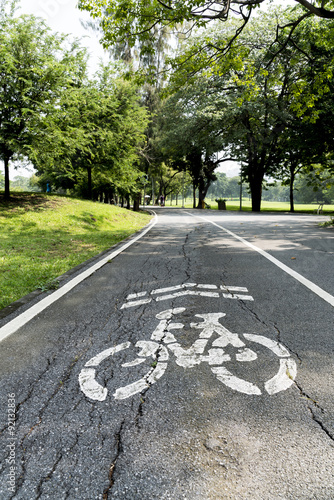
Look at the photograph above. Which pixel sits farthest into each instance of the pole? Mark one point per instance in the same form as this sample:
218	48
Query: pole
183	189
240	190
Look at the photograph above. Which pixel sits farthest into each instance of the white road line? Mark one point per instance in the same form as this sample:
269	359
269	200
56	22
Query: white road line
232	289
230	293
238	296
309	284
210	287
172	288
136	295
29	314
135	303
187	292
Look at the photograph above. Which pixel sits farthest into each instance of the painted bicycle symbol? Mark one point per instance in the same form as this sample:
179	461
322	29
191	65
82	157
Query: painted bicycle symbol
163	342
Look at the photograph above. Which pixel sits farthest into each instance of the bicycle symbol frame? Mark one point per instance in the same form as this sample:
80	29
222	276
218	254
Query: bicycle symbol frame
163	341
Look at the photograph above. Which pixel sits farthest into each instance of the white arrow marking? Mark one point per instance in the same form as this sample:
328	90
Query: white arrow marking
238	296
135	303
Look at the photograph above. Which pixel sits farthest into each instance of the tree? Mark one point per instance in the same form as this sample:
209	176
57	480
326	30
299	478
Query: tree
98	128
219	187
188	137
233	187
308	136
252	97
36	66
315	186
141	20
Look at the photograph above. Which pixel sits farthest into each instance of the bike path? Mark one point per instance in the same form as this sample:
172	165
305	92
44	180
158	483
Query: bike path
188	434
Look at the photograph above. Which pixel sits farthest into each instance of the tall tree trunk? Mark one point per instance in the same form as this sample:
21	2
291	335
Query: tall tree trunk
256	191
89	182
136	202
7	191
202	191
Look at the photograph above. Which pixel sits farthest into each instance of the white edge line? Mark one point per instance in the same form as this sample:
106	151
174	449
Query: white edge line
309	284
23	318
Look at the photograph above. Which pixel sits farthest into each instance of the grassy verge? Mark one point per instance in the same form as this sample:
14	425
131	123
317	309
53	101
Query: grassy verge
43	236
266	206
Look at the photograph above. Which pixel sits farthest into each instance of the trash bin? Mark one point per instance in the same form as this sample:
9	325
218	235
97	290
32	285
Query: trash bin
221	205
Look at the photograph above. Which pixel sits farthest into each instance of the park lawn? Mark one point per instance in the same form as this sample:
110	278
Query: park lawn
43	236
266	206
276	206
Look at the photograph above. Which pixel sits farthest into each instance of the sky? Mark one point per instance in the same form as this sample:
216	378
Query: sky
63	16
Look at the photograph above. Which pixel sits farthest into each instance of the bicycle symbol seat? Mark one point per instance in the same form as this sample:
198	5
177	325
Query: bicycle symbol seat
163	342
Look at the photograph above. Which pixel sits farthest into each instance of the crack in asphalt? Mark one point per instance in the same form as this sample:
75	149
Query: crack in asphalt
313	404
321	424
295	353
21	478
187	258
149	384
47	476
118	437
255	315
309	398
315	418
246	308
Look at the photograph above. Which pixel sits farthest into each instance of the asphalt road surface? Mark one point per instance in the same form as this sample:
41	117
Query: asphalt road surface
195	364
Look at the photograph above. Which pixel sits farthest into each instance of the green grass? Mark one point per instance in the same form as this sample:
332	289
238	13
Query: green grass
276	206
43	236
266	206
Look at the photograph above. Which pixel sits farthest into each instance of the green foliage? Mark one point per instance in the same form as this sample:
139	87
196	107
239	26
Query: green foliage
139	21
317	185
136	19
35	68
253	98
23	184
97	131
224	187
